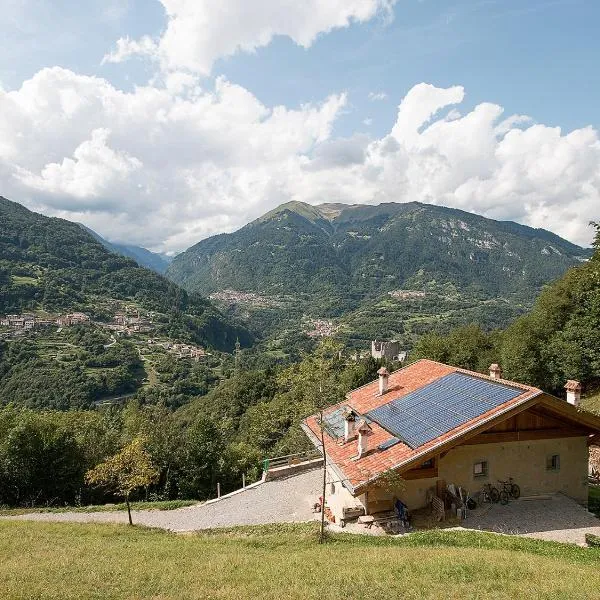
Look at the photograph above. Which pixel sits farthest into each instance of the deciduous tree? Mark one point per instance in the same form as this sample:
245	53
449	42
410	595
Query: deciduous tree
125	472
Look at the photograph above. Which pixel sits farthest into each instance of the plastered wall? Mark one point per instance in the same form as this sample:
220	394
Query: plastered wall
525	462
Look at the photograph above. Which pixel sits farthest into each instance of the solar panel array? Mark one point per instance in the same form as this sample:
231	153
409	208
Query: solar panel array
439	407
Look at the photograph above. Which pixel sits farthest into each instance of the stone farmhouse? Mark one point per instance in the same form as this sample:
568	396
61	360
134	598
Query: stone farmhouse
387	351
410	434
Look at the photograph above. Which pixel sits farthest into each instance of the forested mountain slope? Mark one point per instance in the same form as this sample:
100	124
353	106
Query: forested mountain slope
367	250
142	256
559	339
53	265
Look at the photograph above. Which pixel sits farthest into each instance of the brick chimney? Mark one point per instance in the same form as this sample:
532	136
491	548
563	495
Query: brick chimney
349	425
383	380
495	371
364	431
573	392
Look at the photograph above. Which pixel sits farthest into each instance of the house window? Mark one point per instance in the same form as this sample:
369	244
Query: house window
553	463
480	468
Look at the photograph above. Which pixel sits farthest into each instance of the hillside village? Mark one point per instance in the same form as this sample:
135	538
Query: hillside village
122	324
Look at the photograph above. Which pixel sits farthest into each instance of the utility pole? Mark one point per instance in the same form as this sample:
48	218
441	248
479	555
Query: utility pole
322	532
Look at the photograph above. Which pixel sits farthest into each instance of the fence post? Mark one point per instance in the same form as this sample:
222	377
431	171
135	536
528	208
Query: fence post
218	490
243	480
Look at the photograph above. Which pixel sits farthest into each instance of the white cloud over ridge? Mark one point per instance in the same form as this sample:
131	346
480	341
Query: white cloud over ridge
167	166
198	32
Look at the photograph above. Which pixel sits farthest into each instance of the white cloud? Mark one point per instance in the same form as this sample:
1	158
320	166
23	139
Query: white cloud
166	165
126	48
95	171
159	165
376	96
198	32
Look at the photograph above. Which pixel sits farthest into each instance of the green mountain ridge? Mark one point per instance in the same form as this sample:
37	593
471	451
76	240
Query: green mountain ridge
370	250
342	262
53	265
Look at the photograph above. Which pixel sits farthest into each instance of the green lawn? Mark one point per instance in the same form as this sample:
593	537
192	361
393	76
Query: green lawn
64	561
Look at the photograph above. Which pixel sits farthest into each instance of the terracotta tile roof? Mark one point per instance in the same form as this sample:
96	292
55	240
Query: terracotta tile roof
357	473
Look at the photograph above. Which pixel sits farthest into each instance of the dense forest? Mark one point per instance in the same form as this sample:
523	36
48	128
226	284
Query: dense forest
558	339
53	265
216	437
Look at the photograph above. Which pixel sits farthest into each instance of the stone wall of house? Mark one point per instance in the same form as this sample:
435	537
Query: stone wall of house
338	497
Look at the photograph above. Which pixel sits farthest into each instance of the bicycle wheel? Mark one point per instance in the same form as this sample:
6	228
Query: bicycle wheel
503	497
515	491
494	494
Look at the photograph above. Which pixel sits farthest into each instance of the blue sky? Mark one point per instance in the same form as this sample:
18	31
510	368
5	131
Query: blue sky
541	59
536	58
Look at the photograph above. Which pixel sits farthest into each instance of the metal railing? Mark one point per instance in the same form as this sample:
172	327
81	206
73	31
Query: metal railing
290	459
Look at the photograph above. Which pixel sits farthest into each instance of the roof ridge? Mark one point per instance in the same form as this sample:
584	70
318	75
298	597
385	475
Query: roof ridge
393	373
509	382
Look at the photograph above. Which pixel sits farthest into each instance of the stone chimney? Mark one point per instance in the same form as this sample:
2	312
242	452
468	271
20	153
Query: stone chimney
495	371
383	380
364	431
349	425
573	392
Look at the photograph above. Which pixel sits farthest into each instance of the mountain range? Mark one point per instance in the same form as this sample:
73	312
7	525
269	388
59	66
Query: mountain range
51	265
143	257
361	249
392	270
356	263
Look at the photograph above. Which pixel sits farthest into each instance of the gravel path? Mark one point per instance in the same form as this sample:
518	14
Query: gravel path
556	518
280	501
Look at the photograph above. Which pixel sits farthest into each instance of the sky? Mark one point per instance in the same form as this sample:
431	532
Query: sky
162	122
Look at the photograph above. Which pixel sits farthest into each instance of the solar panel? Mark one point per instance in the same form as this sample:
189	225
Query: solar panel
333	422
389	443
439	407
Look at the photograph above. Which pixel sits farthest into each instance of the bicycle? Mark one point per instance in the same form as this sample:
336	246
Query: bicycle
490	494
509	490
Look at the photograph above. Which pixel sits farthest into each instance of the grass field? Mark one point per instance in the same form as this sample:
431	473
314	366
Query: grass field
67	561
162	505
